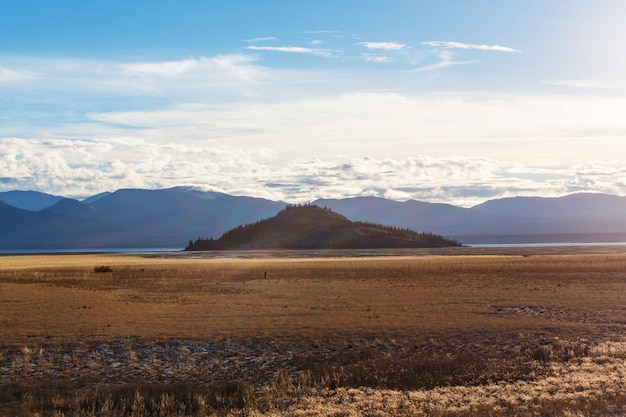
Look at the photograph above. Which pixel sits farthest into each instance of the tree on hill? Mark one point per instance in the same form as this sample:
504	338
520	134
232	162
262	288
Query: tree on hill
312	227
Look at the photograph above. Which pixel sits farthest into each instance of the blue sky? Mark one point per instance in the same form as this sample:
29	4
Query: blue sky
453	101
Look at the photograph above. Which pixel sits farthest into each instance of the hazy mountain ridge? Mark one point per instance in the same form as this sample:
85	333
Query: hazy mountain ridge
134	218
581	213
572	205
29	200
73	208
171	217
21	228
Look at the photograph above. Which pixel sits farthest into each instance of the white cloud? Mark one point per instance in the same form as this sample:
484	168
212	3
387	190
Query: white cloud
379	59
178	68
529	128
446	59
8	75
81	168
243	127
262	39
387	46
580	84
58	79
84	167
161	69
459	45
293	49
322	31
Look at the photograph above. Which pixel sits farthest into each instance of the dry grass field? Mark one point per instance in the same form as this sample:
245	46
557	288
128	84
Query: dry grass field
470	334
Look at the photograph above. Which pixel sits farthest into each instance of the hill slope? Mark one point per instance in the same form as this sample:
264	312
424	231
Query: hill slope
443	219
29	200
582	217
573	206
24	229
313	227
168	217
72	207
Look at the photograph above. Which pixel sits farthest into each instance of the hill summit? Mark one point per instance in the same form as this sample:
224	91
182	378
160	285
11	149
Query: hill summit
313	227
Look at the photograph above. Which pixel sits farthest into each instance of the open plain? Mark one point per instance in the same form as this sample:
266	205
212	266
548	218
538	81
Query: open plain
471	332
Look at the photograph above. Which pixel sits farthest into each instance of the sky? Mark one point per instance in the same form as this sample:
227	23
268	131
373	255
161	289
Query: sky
455	101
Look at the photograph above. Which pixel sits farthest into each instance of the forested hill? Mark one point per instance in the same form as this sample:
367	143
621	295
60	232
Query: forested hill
313	227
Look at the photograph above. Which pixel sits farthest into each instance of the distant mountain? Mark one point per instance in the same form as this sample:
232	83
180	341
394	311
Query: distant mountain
29	200
313	227
575	213
575	217
168	218
413	214
444	219
183	207
72	207
96	197
24	229
580	205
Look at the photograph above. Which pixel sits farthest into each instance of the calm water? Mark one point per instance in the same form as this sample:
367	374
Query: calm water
88	250
544	245
483	248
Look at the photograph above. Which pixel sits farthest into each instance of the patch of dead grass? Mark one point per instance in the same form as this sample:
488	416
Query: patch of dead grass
62	298
517	320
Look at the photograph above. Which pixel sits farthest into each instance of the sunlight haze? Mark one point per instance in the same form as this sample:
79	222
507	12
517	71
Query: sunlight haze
452	101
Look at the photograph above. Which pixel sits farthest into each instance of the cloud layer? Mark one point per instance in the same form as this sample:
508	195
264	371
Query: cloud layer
415	127
387	46
293	49
79	168
532	128
460	45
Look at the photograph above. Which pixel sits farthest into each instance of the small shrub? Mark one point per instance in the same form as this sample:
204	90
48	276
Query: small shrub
414	371
543	353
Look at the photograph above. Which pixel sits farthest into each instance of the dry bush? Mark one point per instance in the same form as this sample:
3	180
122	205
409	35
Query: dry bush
591	385
137	400
412	370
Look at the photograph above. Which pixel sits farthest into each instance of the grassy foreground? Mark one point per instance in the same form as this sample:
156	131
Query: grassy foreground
111	335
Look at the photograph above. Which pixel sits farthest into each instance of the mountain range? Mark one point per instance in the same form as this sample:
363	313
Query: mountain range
170	218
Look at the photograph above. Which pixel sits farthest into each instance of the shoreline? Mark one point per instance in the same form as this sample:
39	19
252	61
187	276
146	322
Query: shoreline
468	250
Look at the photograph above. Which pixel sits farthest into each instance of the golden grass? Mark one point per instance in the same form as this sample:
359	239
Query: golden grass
575	389
61	298
530	310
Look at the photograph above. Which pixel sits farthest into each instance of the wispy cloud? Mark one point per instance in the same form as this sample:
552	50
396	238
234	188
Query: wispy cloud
175	68
387	46
229	112
459	45
530	127
379	59
172	68
293	49
321	31
578	84
8	75
446	59
262	39
83	77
